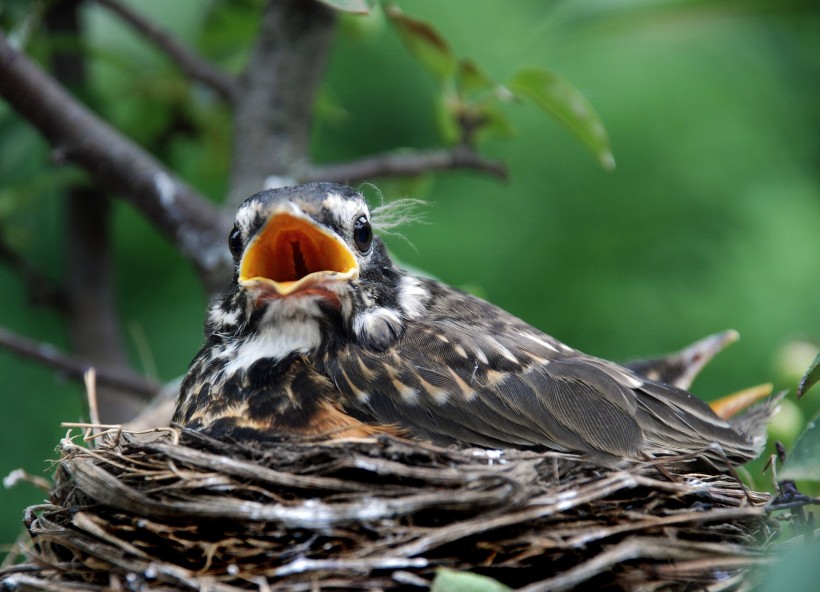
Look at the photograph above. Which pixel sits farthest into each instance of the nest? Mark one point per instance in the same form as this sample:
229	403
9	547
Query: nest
186	512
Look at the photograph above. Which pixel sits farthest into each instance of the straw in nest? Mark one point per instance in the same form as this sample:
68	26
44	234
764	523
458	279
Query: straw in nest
185	512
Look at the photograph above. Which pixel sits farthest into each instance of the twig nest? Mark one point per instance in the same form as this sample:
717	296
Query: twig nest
184	512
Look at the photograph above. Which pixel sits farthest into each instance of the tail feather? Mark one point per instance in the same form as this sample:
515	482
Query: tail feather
674	421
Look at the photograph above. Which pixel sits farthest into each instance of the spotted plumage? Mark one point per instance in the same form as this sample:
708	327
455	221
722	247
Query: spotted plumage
319	333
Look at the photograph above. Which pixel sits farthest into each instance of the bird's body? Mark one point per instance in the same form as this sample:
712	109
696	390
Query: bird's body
320	333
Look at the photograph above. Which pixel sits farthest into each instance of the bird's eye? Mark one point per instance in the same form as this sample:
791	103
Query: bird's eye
235	242
362	234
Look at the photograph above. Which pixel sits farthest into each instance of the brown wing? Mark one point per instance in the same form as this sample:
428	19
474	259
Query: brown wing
486	378
469	372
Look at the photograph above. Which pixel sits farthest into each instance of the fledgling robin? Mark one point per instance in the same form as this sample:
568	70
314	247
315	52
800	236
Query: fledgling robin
320	333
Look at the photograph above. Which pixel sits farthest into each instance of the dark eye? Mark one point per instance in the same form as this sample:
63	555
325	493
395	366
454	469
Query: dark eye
362	234
235	242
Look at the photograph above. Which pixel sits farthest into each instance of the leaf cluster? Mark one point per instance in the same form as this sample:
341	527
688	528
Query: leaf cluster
471	102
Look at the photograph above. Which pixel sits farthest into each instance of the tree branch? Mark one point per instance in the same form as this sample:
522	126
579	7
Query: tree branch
194	225
191	64
75	368
277	89
404	163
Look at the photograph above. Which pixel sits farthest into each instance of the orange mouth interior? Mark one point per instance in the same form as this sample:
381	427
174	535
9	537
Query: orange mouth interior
292	253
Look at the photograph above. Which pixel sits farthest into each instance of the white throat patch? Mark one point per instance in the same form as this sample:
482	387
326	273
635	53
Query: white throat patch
276	342
288	325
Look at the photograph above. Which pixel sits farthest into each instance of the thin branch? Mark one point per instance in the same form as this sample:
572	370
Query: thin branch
405	163
194	225
192	65
40	290
75	368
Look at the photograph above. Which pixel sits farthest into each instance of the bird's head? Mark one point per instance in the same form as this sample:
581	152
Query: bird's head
299	241
300	251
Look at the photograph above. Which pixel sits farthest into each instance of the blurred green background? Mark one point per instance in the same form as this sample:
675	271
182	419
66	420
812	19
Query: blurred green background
710	221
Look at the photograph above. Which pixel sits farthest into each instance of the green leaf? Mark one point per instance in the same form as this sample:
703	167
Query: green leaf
448	580
425	43
804	461
811	377
794	567
562	100
472	78
357	6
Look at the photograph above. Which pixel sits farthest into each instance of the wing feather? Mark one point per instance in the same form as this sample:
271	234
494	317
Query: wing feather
471	373
674	419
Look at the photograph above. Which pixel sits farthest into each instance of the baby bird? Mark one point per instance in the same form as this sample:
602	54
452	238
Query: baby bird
319	333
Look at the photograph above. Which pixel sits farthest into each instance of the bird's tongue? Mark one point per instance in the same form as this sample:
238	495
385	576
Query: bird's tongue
292	253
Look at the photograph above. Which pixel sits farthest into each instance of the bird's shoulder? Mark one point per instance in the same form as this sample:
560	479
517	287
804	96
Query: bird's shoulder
463	331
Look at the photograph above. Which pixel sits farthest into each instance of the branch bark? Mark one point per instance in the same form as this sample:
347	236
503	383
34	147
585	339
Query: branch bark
192	65
404	163
277	90
194	225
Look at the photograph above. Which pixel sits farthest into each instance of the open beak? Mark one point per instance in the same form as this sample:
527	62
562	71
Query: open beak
292	253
